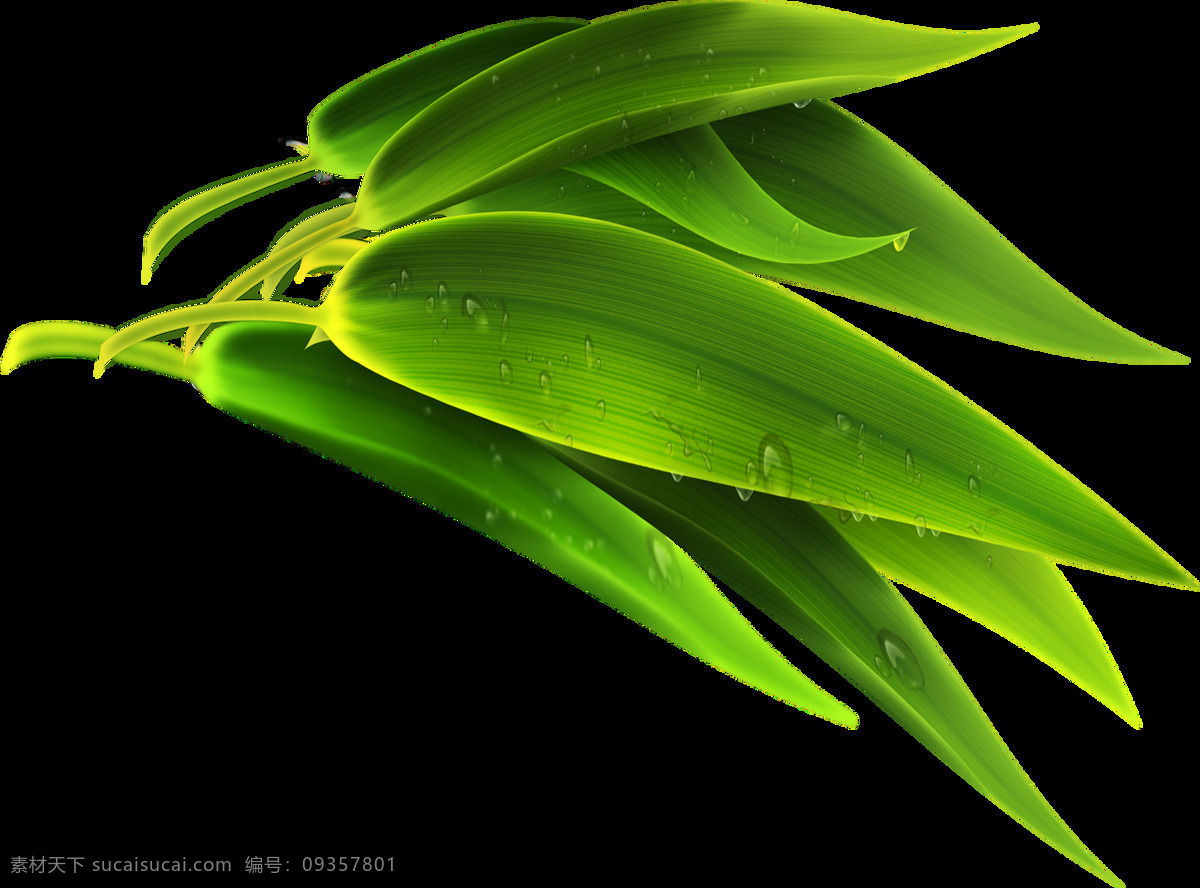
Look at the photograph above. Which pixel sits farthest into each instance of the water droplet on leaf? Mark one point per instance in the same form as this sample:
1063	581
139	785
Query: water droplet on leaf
900	658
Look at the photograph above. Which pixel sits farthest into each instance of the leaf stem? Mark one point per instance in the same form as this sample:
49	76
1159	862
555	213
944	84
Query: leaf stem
174	317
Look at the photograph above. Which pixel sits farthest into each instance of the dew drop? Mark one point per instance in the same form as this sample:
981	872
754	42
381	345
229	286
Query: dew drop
802	103
443	292
646	61
909	466
861	457
492	517
744	493
936	533
503	322
870	505
699	381
444	323
429	304
601	408
497	461
794	235
495	80
738	217
562	191
566	360
435	342
722	114
862	435
919	523
843	422
775	465
405	279
973	485
664	570
882	667
569	441
676	476
899	242
901	659
475	310
708	56
544	382
596	72
589	356
505	372
989	562
528	356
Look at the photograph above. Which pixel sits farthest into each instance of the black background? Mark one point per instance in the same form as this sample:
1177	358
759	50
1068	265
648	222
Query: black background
221	645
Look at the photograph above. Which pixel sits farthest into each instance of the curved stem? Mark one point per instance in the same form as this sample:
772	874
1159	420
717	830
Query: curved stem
173	318
196	208
39	340
255	272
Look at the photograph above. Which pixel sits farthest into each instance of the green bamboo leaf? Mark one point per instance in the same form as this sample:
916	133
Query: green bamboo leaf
790	563
637	75
1023	598
1020	596
828	166
348	127
693	179
549	105
823	163
491	478
783	391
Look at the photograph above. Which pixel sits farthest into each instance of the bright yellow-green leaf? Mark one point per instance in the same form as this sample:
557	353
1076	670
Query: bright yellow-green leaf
1018	595
787	561
491	478
639	349
833	170
693	179
637	75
